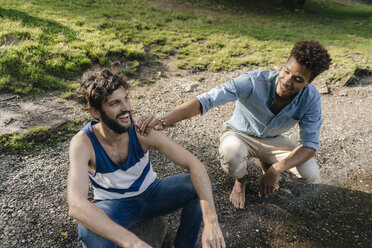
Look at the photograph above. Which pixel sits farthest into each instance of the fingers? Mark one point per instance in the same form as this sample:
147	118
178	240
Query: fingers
156	124
213	238
220	243
261	191
144	124
266	190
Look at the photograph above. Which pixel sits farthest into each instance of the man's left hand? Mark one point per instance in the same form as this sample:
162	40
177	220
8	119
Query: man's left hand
144	124
212	236
269	182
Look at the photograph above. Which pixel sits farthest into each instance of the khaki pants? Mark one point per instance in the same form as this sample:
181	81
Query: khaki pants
236	148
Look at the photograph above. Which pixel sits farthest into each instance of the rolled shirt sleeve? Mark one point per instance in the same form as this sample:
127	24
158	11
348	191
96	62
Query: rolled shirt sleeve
227	92
310	125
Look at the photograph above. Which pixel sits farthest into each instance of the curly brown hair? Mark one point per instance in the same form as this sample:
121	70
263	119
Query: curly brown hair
96	86
312	55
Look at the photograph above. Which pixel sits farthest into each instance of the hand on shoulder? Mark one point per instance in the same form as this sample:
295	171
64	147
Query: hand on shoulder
145	124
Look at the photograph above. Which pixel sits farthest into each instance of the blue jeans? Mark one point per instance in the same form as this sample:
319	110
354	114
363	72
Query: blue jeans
161	198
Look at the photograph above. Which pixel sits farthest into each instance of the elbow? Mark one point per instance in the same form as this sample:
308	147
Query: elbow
72	210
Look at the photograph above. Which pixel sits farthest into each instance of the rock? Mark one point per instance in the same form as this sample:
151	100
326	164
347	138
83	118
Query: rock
191	87
324	90
361	76
115	64
151	231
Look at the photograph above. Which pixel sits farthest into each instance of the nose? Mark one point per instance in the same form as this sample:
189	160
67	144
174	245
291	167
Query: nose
125	106
287	81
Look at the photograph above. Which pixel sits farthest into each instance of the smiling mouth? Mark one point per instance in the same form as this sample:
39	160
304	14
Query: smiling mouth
284	88
124	116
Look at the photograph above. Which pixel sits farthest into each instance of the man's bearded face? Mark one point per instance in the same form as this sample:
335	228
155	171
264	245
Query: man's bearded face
114	124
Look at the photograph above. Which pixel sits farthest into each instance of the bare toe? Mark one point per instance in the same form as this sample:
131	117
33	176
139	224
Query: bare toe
237	196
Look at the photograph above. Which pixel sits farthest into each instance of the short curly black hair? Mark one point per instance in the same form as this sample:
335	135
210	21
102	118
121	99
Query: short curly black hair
312	55
96	86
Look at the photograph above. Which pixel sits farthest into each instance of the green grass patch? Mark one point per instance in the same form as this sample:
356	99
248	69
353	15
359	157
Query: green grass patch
37	138
46	44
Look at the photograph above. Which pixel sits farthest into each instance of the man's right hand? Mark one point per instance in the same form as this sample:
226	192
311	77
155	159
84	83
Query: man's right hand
144	124
212	236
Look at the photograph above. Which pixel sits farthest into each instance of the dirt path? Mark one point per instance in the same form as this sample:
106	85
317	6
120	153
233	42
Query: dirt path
334	212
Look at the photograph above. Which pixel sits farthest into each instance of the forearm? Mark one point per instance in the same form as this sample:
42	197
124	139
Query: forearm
200	180
94	219
183	111
298	156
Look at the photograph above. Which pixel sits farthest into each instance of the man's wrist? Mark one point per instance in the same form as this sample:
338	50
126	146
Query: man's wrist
163	123
276	167
210	220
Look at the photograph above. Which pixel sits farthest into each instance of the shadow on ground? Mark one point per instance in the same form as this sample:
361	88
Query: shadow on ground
297	215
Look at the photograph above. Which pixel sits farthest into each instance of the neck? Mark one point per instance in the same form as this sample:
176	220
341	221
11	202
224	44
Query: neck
107	134
285	99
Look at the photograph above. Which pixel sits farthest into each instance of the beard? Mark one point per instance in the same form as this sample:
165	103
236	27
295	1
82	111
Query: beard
114	125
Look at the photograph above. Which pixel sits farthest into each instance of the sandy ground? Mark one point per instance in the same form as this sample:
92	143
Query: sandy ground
334	212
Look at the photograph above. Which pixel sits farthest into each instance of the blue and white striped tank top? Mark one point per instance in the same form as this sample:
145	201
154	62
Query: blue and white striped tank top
116	181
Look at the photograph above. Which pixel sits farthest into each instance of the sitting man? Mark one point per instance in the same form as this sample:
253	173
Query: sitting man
267	104
117	163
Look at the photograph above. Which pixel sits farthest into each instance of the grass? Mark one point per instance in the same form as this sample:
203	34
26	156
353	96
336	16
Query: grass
37	138
46	44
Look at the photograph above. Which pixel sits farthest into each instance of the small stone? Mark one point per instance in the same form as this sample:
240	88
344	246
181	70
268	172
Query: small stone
191	87
324	90
343	93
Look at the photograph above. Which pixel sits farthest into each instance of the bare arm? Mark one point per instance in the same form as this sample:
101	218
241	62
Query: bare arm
184	111
85	212
269	181
212	234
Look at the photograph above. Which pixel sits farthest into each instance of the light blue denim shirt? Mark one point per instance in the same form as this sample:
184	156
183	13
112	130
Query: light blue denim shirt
253	93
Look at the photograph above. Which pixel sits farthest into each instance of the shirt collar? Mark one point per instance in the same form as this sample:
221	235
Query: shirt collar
271	99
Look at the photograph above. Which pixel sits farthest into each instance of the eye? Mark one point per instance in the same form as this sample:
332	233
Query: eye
114	103
299	80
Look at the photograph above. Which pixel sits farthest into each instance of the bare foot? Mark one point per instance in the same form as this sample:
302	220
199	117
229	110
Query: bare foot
237	196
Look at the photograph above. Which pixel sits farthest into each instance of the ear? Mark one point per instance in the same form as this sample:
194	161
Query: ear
95	113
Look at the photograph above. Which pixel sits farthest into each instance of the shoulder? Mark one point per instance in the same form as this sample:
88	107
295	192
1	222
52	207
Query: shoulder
153	139
311	93
80	143
260	74
255	77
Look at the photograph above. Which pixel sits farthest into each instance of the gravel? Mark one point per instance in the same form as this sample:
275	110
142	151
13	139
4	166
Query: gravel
334	212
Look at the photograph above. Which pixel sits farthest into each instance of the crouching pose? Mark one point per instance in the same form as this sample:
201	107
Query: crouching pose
108	153
267	104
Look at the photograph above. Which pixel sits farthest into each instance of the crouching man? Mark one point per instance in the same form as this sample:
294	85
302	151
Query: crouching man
108	153
267	104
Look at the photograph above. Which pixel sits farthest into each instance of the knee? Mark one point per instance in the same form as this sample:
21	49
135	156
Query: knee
313	177
309	171
84	233
233	157
90	239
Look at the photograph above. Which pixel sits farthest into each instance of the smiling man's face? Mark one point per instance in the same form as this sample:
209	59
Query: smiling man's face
116	112
292	78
